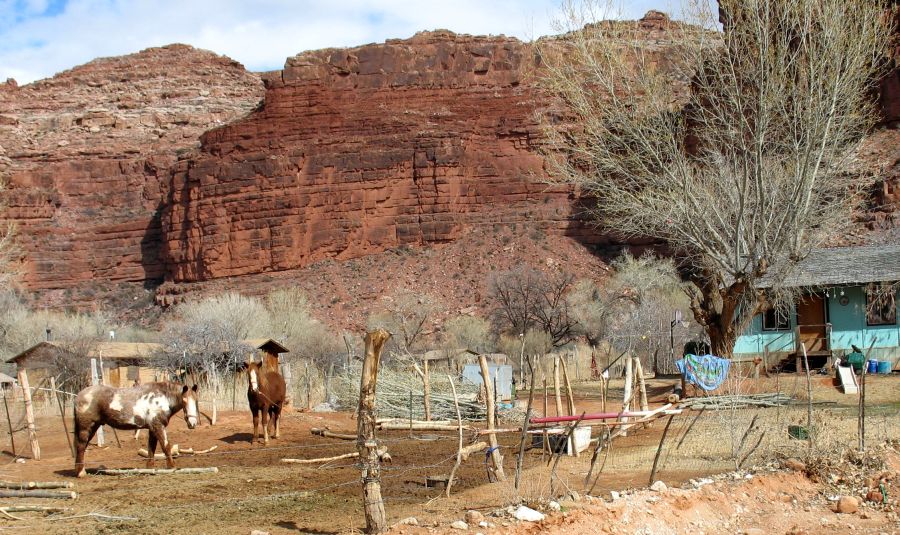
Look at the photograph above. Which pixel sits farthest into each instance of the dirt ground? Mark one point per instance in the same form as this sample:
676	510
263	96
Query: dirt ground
254	490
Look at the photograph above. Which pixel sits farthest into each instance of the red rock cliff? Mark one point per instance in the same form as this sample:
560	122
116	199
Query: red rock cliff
87	153
358	150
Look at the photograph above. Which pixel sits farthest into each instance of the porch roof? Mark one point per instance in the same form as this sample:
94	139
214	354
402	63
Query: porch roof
845	265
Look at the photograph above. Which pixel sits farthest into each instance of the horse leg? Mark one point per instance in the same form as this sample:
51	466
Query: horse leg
83	436
167	447
276	418
151	448
255	425
265	423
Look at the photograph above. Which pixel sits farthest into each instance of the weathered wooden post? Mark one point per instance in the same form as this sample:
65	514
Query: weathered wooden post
626	398
426	388
62	414
95	380
642	385
459	426
546	445
29	415
376	521
12	438
496	458
525	426
559	407
570	396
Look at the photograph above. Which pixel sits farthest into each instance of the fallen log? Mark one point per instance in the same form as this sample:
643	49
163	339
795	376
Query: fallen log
328	434
176	452
350	455
27	508
58	494
154	471
23	485
382	452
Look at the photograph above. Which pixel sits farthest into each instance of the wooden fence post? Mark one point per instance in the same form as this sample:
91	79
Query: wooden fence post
559	407
570	395
496	458
12	438
29	415
427	390
376	521
642	385
626	398
525	425
95	380
62	414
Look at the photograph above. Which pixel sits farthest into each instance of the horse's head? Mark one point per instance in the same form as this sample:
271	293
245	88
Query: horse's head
253	371
189	399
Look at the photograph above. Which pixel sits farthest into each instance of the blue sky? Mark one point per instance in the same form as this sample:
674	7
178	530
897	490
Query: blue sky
41	37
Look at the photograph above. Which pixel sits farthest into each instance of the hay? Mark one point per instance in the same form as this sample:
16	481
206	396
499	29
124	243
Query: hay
393	395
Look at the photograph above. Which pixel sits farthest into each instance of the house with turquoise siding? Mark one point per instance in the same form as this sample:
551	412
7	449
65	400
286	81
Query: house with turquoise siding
847	296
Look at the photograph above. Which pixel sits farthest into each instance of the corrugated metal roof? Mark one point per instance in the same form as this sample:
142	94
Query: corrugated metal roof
845	265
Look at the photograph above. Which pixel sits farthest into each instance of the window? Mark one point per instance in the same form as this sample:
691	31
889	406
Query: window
776	319
881	305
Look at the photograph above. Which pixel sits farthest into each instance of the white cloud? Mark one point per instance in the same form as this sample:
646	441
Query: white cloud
47	37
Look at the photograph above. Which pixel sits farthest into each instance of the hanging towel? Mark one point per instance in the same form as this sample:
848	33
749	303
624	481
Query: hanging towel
706	371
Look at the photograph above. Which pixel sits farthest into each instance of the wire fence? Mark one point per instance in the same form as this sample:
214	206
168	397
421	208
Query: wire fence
698	443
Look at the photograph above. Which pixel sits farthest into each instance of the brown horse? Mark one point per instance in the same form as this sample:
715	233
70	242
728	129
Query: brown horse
265	392
148	406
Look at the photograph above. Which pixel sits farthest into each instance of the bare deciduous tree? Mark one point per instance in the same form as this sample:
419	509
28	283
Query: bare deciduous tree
728	145
205	338
294	324
405	315
469	332
527	299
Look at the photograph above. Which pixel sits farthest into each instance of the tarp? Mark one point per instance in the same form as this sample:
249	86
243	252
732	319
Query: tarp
706	371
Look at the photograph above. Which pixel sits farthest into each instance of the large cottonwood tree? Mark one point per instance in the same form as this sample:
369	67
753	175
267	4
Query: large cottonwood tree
727	138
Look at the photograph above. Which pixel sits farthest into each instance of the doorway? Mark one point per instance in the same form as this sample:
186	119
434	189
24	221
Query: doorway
811	319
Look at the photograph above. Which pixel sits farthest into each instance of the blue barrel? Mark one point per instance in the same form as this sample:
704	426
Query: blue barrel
884	366
873	366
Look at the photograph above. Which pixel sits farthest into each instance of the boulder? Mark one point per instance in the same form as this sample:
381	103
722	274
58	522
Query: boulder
847	505
527	514
474	517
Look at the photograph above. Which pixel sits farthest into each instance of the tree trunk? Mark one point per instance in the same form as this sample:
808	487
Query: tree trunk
376	521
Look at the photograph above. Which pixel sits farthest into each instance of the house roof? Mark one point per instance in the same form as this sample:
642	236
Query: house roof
845	265
40	353
4	379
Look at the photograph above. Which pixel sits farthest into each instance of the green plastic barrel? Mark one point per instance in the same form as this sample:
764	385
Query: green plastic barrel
884	366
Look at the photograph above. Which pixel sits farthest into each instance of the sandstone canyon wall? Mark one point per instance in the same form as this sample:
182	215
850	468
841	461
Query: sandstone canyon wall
87	155
167	164
358	150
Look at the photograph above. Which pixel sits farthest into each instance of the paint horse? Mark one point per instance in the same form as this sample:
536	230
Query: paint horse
265	392
148	406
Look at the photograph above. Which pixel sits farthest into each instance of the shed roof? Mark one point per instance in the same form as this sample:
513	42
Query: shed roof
267	344
124	350
845	265
5	379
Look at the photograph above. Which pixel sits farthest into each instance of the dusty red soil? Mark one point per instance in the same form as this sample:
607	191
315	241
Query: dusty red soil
254	490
